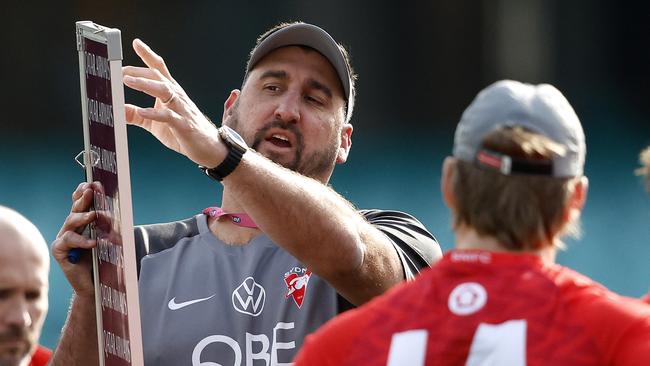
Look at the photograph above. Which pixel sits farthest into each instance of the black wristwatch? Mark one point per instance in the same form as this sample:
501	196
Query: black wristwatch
236	149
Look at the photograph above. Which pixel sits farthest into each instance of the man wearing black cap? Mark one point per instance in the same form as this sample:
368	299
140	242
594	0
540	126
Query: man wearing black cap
247	281
514	186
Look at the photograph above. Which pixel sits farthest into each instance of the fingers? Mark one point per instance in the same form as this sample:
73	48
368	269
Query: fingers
76	221
132	115
157	89
150	58
70	240
161	115
70	237
82	199
147	117
79	191
83	202
143	72
84	187
78	274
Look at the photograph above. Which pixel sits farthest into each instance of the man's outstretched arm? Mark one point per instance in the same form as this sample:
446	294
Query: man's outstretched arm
319	227
300	214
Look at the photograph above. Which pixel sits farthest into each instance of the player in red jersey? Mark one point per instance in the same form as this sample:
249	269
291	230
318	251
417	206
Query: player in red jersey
514	185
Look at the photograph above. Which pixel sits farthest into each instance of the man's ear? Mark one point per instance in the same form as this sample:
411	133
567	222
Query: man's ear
230	101
345	144
447	182
577	199
581	192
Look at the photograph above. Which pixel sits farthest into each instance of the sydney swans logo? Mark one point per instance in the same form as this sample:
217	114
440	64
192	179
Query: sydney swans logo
249	297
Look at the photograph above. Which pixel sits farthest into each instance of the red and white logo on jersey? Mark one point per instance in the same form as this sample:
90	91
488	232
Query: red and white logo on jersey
467	298
296	280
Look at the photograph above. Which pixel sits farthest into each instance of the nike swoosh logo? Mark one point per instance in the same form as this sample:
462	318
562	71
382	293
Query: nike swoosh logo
173	305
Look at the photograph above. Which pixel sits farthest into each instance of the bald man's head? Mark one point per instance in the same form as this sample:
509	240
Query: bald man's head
24	268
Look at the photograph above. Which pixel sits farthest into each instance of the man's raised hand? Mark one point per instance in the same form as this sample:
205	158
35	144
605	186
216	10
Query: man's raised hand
174	119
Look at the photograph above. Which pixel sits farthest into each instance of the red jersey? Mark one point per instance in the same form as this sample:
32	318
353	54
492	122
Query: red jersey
485	308
40	357
646	298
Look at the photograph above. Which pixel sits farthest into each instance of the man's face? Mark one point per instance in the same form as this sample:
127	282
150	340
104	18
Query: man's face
291	110
23	297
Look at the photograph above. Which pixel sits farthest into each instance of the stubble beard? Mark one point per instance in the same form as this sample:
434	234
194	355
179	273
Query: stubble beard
317	165
17	357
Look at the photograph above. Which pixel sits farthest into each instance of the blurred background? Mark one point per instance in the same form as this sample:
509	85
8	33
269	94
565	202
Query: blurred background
419	64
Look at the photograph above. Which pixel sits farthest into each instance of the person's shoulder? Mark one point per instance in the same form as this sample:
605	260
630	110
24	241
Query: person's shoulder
607	314
620	325
417	245
173	228
379	216
616	327
600	301
155	238
579	288
160	236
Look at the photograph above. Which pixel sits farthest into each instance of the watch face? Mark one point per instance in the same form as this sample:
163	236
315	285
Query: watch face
234	137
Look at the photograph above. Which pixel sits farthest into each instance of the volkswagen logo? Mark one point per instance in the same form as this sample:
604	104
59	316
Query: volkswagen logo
249	297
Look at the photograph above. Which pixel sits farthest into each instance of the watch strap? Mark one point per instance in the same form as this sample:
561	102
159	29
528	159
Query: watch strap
235	152
226	167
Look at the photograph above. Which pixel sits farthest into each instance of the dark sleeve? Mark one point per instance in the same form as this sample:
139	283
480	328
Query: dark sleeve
150	239
416	246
